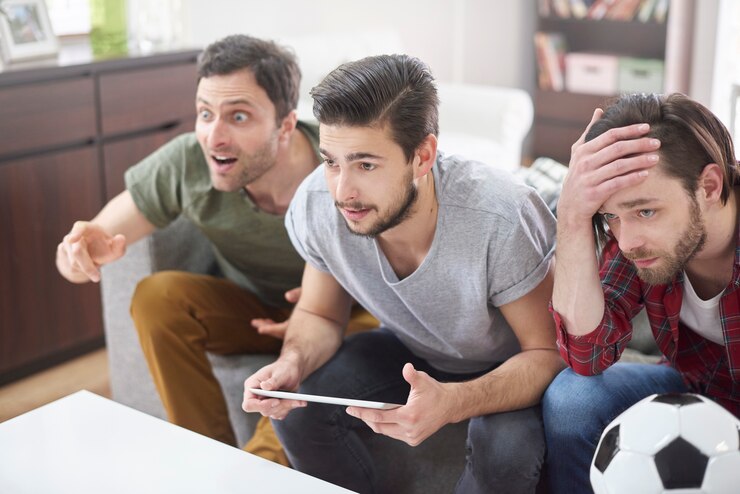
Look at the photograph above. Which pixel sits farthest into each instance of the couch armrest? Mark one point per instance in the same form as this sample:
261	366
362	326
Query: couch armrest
485	123
179	246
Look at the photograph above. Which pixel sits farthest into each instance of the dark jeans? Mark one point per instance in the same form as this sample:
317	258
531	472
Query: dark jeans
576	410
504	451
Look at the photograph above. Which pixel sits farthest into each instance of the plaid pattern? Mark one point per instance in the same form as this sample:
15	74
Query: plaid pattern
707	368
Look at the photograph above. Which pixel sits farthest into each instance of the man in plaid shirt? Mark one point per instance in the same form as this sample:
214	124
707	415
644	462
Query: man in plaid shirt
654	175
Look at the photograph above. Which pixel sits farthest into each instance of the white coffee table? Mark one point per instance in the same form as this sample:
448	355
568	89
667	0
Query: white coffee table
84	443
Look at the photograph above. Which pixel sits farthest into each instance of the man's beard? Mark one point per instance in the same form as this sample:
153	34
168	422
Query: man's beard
399	211
690	243
252	167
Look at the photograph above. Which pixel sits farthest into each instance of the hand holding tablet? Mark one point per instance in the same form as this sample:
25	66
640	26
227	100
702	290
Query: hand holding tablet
332	400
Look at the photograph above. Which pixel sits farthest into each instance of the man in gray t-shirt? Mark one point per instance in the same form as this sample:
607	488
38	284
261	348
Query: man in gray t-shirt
452	256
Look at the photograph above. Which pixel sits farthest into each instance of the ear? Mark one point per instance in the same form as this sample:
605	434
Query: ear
710	184
425	156
287	126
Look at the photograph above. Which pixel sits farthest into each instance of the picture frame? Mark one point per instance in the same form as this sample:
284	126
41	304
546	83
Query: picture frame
25	31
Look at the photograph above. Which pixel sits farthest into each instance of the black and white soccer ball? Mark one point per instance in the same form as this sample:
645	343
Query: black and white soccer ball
669	443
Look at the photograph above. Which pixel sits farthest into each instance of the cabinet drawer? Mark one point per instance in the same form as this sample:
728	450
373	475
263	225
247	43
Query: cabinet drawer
121	154
143	99
46	115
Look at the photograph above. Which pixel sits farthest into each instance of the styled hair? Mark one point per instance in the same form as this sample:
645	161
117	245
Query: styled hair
275	67
691	137
397	90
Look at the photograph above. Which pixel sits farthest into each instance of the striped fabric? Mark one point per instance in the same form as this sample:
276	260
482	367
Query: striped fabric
707	368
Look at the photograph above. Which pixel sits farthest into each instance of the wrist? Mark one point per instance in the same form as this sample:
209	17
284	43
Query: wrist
456	403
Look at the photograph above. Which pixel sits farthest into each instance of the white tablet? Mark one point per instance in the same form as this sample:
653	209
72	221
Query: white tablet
332	400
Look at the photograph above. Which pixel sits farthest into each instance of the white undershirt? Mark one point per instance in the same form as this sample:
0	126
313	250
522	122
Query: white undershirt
702	316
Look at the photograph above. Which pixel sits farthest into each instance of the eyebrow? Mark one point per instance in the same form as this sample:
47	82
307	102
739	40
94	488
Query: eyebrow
636	202
351	156
231	102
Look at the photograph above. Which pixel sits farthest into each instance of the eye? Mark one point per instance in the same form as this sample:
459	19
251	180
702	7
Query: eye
240	117
329	163
368	167
609	216
205	115
646	213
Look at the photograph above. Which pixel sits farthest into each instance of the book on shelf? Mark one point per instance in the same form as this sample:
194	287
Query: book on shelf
615	10
661	11
623	10
550	54
646	10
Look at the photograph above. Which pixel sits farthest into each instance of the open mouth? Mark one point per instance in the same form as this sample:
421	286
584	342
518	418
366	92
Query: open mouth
223	160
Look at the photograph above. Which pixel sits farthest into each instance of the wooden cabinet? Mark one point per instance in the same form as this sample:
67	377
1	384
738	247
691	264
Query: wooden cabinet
67	134
561	116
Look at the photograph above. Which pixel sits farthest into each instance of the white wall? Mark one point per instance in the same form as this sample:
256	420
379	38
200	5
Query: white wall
482	41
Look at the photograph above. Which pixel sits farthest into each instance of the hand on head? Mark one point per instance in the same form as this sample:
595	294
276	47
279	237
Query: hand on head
617	159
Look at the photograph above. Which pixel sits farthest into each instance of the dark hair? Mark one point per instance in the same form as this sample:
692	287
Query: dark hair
274	67
387	89
691	137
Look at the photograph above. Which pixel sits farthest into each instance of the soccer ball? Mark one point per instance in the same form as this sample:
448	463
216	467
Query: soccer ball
668	442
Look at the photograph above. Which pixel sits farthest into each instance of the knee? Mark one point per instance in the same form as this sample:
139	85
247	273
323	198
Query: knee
154	297
508	443
568	397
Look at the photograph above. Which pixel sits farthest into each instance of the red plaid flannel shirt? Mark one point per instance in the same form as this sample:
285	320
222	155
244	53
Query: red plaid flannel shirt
707	368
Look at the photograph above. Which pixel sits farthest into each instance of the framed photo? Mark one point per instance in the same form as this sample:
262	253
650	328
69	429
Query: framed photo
25	30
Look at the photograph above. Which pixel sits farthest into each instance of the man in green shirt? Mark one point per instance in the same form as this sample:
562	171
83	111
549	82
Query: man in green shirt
233	178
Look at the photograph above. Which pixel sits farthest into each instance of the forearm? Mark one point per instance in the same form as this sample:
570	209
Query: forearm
310	341
517	383
122	216
577	293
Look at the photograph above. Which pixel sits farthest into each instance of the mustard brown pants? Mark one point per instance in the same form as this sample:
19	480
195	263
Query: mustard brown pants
180	317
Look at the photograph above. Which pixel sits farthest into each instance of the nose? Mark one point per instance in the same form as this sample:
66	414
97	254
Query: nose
628	236
345	190
218	135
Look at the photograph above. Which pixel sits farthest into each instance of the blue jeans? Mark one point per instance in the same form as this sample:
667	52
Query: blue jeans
504	451
576	410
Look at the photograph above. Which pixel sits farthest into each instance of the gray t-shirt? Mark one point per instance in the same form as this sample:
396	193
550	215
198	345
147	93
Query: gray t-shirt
493	243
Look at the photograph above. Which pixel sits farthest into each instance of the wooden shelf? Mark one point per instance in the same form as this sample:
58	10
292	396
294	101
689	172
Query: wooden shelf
561	117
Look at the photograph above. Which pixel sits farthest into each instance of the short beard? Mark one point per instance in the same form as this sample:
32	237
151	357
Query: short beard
691	242
394	219
255	166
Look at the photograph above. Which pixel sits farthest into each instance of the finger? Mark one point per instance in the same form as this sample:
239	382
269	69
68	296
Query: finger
615	135
621	150
625	166
598	112
616	184
395	431
369	415
117	247
293	295
83	262
277	330
258	322
410	374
